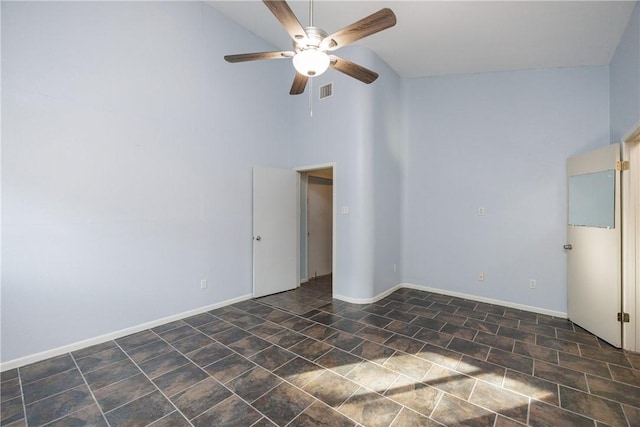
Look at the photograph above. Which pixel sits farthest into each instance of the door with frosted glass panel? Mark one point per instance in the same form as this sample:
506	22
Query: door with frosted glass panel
593	246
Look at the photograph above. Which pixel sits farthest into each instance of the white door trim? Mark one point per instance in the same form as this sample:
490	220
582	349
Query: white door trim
631	240
334	168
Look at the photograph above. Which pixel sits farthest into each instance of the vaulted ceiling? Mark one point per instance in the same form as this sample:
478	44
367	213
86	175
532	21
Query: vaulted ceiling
458	37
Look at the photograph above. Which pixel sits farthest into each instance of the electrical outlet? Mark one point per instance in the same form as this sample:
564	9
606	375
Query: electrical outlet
480	211
532	283
481	276
203	284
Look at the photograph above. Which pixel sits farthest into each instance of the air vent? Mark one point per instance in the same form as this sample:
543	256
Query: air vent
326	90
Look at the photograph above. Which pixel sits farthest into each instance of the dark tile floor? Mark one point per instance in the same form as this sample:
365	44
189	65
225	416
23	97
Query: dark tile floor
301	359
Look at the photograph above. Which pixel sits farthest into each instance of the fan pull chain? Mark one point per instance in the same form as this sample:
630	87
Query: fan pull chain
311	97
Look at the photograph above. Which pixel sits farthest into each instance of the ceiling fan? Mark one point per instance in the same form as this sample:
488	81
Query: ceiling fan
311	45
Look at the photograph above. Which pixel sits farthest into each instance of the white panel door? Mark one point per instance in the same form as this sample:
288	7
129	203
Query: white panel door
275	230
593	250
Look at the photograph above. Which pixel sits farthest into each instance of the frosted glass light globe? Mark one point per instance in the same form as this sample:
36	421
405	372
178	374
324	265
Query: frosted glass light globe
311	62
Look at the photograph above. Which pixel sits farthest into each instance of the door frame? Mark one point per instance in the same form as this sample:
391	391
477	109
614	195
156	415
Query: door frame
334	201
631	239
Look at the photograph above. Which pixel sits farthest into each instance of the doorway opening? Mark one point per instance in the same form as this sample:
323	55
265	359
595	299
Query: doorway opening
317	192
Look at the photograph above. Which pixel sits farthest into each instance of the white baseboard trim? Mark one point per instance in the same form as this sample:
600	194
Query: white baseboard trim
487	300
452	294
368	300
26	360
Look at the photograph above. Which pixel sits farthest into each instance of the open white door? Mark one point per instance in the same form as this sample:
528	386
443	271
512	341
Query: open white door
593	247
275	230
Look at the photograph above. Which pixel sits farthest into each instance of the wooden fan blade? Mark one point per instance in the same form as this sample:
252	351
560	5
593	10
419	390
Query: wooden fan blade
243	57
299	83
381	20
287	18
352	69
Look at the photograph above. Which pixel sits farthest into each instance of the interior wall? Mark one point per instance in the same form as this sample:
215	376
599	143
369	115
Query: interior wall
359	128
128	146
497	141
624	80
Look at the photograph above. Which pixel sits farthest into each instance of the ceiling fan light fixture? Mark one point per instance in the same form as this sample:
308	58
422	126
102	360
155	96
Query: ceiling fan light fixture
311	62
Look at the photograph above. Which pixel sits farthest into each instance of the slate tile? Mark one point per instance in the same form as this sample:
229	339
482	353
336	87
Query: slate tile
310	348
614	390
230	412
59	405
592	406
450	381
11	411
283	403
136	340
373	352
370	409
452	411
140	412
163	364
344	341
497	399
536	352
318	415
192	343
174	419
544	415
481	370
560	375
299	371
511	360
196	400
51	385
372	376
101	359
88	416
149	351
408	418
179	379
439	355
339	361
253	384
39	370
209	354
533	387
587	365
229	367
111	374
405	344
374	334
470	348
127	390
414	394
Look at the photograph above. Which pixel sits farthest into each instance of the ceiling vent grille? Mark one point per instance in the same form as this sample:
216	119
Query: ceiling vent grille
326	90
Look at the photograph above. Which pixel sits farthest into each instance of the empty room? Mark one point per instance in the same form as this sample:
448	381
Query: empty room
320	213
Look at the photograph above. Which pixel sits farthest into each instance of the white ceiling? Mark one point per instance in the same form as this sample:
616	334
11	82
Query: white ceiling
457	37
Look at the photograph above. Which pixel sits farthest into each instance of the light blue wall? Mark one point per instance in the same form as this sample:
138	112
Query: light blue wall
498	141
128	146
625	80
359	129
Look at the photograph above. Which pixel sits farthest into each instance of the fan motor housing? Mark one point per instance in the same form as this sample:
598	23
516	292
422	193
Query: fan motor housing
315	36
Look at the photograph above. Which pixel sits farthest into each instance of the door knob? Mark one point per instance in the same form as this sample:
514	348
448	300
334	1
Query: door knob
568	247
258	238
